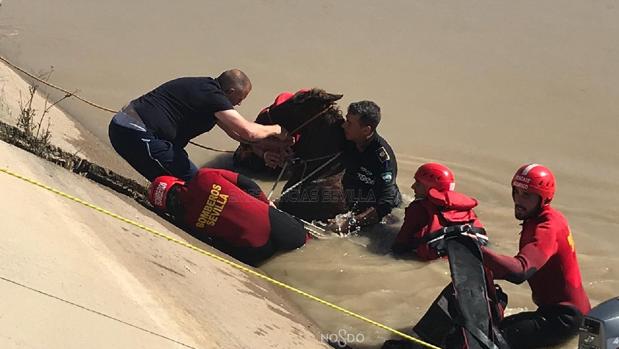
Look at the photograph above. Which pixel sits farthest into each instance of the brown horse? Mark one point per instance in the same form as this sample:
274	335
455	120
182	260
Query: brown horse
316	122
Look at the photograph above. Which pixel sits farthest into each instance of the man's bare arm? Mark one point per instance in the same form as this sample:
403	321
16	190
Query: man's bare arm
229	132
234	123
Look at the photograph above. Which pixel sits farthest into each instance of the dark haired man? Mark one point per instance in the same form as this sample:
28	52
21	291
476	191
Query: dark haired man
546	260
152	131
371	169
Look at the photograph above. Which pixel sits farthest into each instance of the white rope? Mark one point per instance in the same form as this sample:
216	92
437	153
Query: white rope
310	175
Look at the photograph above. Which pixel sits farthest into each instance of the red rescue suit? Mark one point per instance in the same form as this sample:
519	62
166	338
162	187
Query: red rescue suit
546	259
428	215
216	205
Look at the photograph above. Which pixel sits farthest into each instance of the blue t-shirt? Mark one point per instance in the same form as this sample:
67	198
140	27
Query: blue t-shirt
182	109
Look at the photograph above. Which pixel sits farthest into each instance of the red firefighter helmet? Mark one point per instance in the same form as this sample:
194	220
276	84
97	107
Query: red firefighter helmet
536	179
285	96
282	98
434	175
159	189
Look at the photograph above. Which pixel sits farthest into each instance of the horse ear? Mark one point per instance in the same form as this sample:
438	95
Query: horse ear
316	93
303	95
333	97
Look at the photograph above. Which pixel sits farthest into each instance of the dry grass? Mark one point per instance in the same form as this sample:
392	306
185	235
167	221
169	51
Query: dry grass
35	123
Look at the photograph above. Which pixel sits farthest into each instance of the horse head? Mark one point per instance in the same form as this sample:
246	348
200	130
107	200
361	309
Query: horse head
315	121
310	116
299	110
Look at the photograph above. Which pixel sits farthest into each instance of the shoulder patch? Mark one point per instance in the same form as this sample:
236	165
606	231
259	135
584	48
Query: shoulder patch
382	154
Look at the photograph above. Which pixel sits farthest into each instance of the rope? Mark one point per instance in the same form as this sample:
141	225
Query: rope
98	106
68	93
279	177
308	121
294	160
310	175
218	258
211	149
93	104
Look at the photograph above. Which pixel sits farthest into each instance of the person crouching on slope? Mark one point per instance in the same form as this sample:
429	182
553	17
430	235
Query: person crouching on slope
435	207
230	209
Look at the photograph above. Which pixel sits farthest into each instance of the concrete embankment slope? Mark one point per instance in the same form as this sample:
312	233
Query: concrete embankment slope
74	278
66	133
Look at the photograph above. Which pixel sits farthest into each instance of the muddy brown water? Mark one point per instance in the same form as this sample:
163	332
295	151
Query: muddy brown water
482	86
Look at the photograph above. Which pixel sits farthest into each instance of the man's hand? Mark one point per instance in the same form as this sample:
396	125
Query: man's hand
283	134
273	144
337	226
367	217
340	224
482	239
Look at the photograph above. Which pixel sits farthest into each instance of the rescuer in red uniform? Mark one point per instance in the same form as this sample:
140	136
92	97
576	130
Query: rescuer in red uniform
436	206
547	260
438	212
230	209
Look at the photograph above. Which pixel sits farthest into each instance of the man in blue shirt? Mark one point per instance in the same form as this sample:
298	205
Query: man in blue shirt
152	131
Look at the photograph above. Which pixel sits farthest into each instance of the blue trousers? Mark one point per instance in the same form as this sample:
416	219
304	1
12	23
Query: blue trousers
150	156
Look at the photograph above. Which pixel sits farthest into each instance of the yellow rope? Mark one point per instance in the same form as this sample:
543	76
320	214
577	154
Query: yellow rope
218	258
93	104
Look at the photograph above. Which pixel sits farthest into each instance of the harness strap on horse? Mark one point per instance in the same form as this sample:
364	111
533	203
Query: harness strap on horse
302	180
294	161
298	159
279	177
309	120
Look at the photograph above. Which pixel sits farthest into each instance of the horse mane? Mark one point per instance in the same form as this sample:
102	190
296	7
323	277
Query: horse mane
302	107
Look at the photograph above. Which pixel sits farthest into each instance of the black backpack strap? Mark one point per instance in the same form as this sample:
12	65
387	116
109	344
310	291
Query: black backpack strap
437	239
454	230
